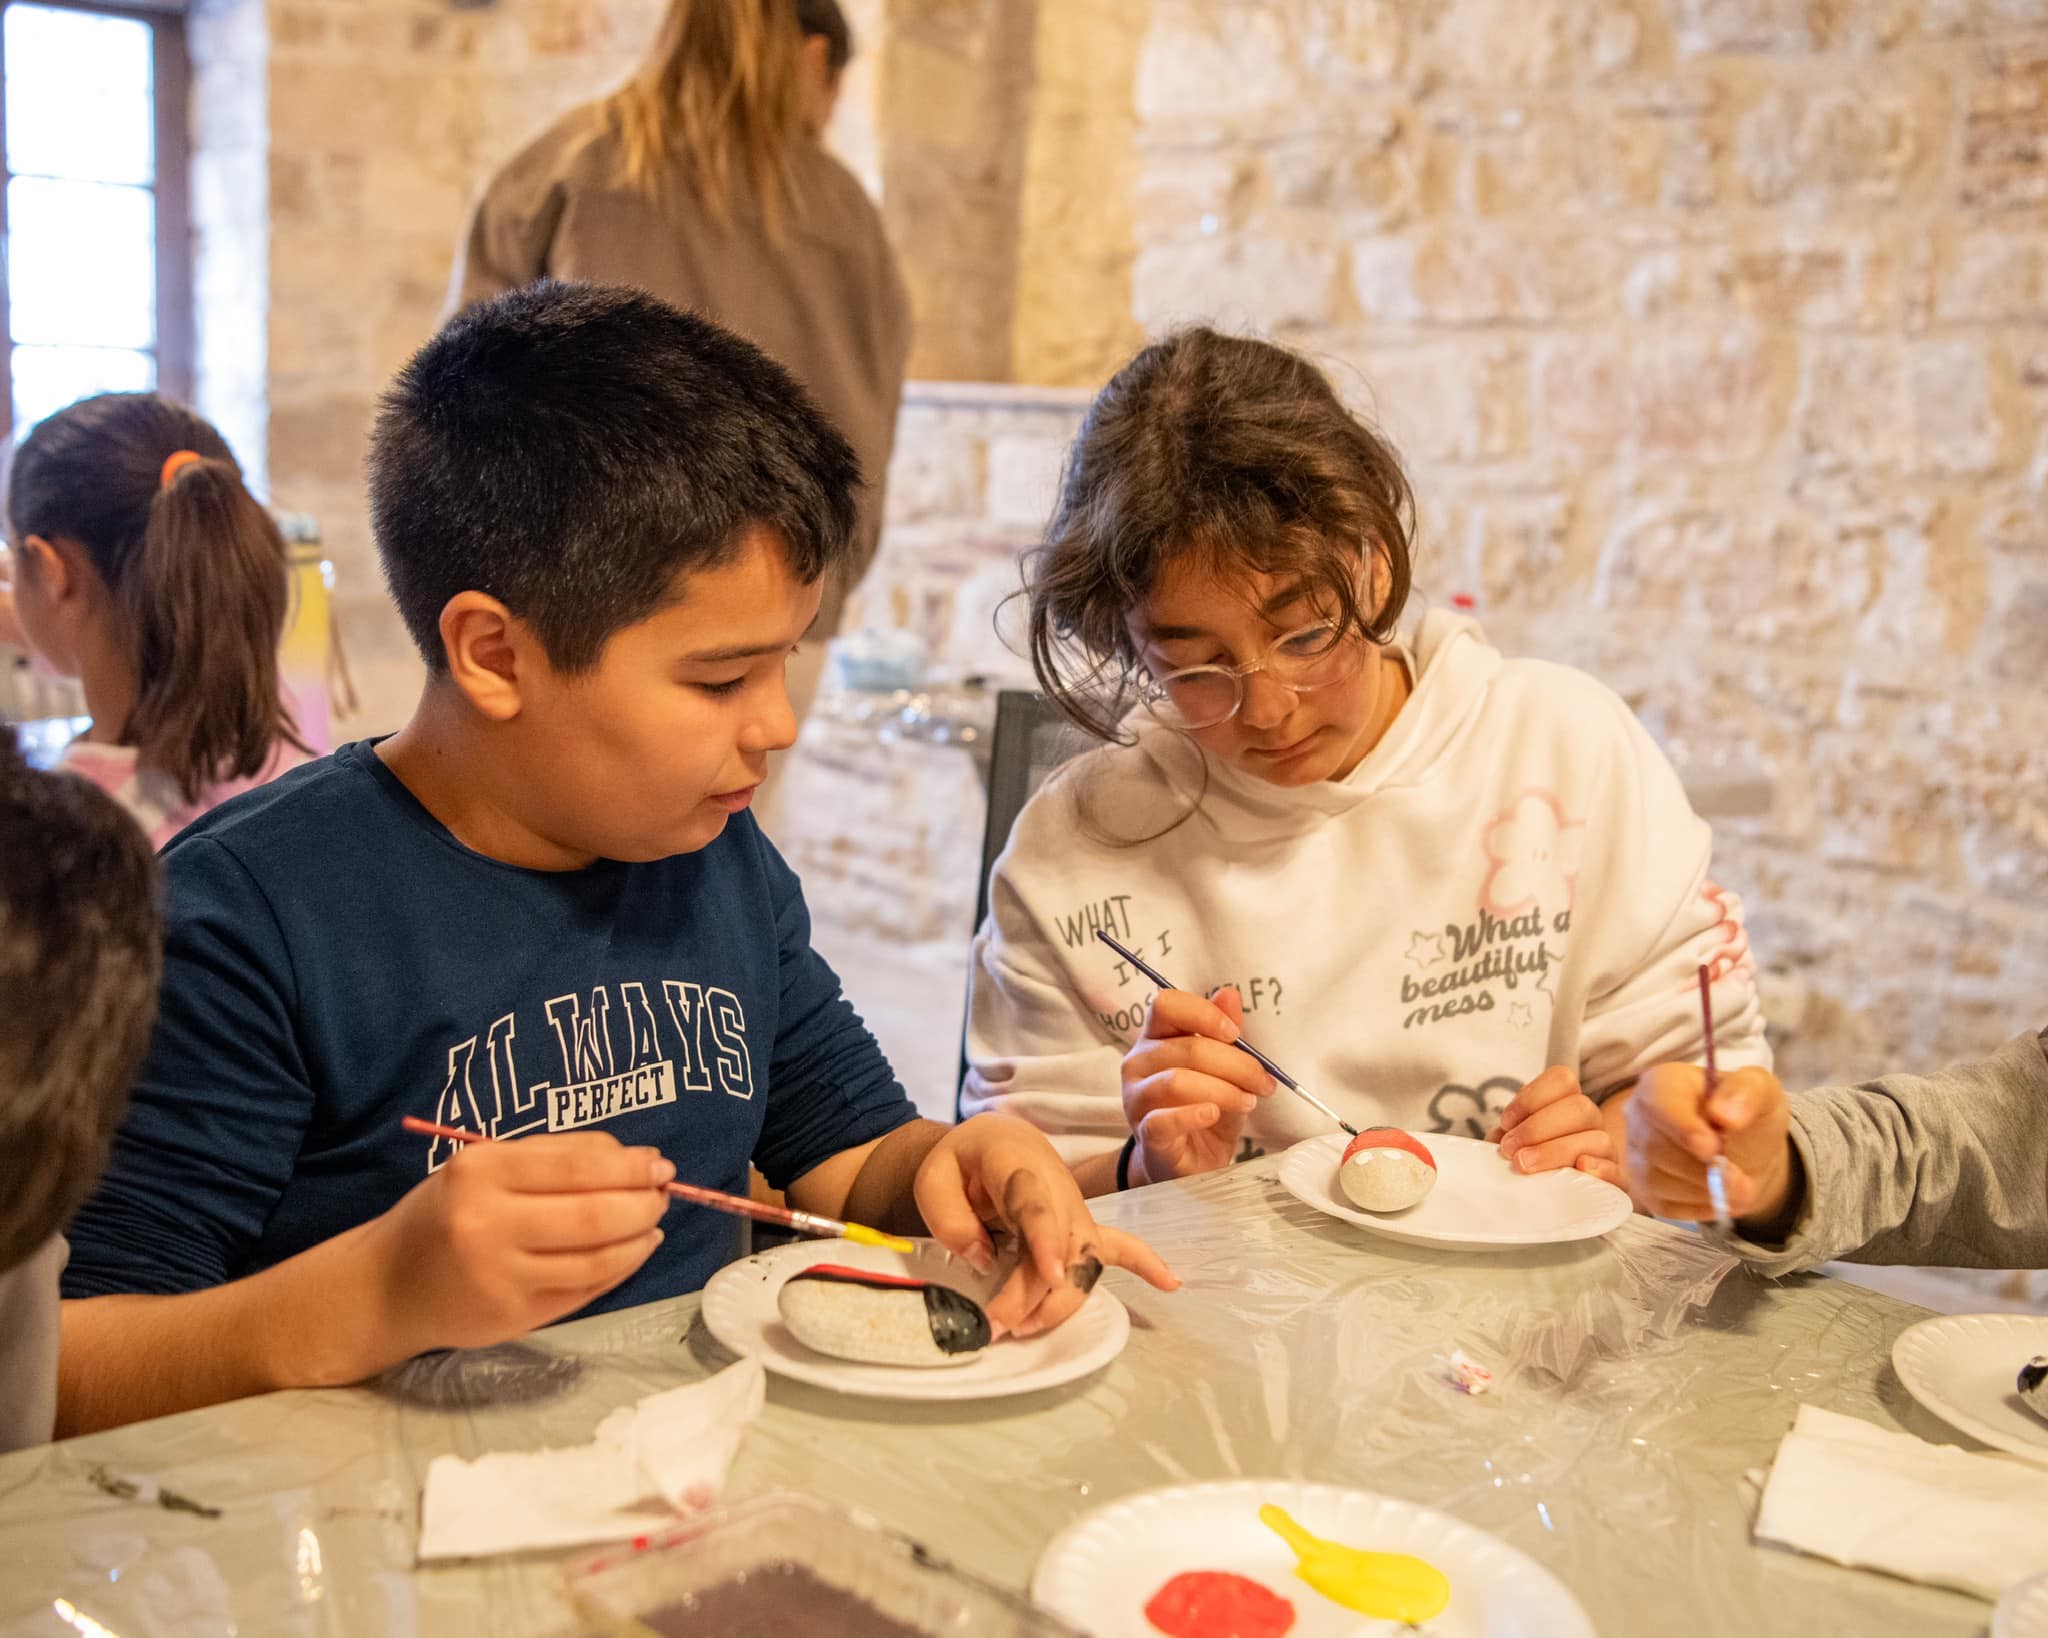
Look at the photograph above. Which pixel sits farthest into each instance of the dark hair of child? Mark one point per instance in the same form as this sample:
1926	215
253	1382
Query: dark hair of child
1237	454
80	949
195	566
572	449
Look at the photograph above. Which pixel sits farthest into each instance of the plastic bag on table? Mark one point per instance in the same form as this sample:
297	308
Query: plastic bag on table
543	1390
274	1515
1571	1318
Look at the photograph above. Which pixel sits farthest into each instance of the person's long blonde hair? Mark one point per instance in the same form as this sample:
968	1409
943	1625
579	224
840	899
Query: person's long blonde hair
720	94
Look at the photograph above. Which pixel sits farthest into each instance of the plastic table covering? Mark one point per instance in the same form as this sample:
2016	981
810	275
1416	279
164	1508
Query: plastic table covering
1640	1378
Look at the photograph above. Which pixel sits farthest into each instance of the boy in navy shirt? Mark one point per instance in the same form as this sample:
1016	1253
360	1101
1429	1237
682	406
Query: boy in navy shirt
540	911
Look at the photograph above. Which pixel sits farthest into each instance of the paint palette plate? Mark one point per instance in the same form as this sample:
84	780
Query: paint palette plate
1480	1201
1099	1572
1963	1368
739	1309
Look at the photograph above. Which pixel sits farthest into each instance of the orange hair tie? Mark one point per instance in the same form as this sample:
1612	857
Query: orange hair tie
176	463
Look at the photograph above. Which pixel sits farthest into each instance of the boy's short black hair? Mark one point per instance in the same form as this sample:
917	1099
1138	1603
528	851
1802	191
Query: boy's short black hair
569	449
81	946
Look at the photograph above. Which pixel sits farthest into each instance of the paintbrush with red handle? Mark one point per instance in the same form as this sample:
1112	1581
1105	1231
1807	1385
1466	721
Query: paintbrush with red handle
1717	1168
738	1205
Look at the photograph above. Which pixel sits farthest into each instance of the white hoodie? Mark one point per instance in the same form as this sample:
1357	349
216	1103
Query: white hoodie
1511	879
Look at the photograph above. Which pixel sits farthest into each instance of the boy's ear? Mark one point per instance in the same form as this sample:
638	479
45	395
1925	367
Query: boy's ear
491	654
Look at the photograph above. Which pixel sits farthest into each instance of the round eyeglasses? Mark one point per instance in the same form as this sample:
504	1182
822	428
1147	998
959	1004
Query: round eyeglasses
1201	696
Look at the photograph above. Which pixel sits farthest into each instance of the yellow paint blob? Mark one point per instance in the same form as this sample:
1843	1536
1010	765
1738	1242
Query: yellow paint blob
1386	1586
861	1235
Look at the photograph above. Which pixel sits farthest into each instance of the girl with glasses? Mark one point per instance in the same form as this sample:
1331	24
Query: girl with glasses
1449	890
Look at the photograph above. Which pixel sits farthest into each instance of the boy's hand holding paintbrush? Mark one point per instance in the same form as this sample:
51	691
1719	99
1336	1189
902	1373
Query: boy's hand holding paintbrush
505	1237
509	1236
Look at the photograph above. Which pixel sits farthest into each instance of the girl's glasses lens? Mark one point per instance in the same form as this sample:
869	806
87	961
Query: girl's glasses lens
1205	695
1193	699
1202	697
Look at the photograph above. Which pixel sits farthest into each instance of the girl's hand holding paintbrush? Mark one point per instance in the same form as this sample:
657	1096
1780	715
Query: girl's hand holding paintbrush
1187	1089
1191	1079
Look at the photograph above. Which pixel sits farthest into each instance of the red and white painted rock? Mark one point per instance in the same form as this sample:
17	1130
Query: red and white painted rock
881	1319
1386	1170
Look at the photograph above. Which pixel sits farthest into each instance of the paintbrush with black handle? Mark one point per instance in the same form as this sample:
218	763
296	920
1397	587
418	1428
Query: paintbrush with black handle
1240	1043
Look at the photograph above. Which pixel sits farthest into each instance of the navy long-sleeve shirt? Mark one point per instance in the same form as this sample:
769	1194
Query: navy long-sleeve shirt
335	960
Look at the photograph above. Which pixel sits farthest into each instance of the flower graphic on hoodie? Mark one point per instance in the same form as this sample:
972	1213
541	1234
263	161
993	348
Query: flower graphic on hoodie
1535	855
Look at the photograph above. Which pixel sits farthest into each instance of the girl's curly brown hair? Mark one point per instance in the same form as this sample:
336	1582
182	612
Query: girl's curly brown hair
1231	448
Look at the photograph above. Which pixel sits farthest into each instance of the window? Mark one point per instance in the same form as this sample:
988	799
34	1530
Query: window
97	280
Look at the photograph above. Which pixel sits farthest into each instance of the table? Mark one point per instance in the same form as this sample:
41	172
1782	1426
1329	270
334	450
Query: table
1634	1393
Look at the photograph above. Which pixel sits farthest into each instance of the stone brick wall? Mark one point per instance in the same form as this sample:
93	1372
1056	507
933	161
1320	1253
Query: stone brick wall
1717	333
886	832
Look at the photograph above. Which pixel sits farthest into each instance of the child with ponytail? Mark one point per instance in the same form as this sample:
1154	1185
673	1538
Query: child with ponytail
146	569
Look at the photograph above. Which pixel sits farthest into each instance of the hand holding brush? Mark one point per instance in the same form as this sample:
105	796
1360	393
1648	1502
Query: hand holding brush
1708	1147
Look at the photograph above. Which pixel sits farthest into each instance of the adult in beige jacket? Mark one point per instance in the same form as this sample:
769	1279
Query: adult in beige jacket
703	180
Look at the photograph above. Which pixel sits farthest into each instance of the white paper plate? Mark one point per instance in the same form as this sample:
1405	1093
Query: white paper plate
1963	1368
1100	1572
1479	1199
2023	1611
739	1307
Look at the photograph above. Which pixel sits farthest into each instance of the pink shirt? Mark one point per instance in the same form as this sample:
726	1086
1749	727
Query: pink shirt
152	796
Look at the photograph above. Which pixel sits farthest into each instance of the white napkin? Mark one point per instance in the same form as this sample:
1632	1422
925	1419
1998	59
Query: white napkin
1860	1495
650	1461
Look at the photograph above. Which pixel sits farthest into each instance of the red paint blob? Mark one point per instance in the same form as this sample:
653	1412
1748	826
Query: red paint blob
1389	1137
1217	1604
860	1276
